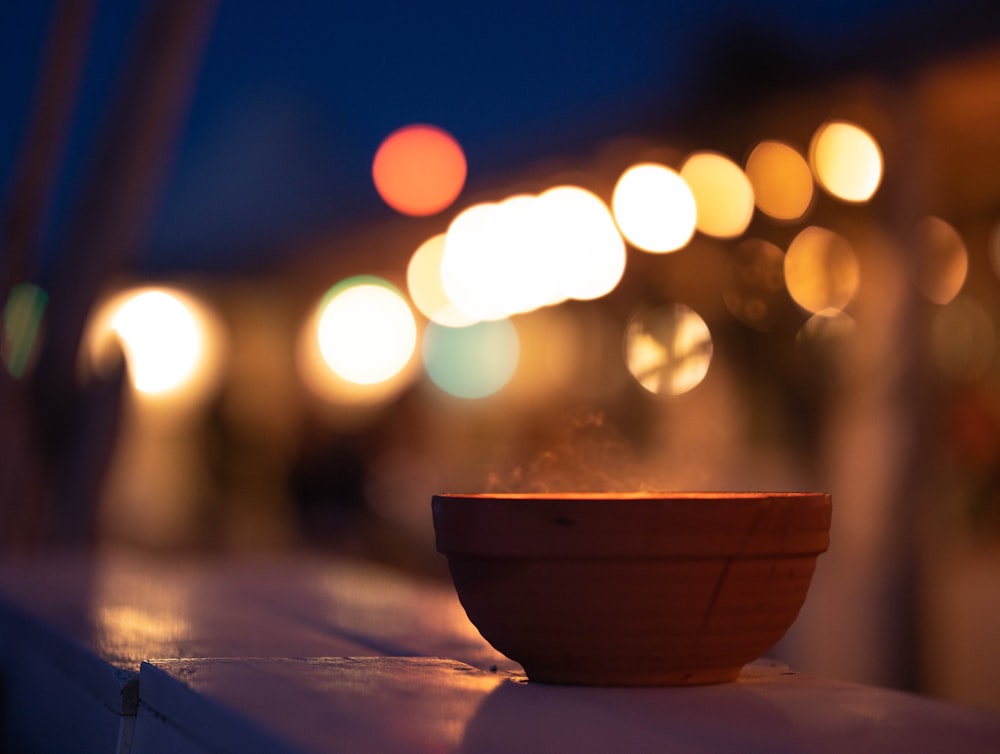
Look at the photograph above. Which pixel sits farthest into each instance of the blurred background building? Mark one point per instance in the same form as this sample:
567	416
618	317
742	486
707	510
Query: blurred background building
356	256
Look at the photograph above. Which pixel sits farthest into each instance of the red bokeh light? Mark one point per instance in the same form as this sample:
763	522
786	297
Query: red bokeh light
419	170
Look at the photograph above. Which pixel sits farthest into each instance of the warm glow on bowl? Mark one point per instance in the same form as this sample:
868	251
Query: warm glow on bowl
722	193
654	208
419	170
847	161
781	179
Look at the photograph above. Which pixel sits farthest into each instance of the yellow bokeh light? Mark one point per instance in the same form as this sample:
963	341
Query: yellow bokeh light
722	194
821	270
846	160
654	208
781	179
668	350
419	170
171	342
942	260
366	331
423	281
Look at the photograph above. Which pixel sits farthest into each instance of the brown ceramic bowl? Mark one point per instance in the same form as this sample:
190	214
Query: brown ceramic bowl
632	588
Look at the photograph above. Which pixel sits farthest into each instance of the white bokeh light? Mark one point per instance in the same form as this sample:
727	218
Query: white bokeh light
654	208
530	251
366	331
161	339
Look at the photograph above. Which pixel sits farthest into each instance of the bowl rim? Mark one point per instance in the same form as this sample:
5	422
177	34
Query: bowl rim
633	495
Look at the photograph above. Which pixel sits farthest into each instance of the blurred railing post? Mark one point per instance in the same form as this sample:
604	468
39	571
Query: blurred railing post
25	210
58	430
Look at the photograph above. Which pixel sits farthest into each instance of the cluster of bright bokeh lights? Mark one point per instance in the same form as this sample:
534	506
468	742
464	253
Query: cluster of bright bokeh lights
366	338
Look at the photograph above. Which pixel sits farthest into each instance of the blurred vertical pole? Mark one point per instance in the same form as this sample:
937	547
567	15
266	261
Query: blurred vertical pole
45	134
861	620
76	421
888	478
24	212
908	491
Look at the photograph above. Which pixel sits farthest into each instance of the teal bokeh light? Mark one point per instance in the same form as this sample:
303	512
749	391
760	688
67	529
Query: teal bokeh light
22	322
471	362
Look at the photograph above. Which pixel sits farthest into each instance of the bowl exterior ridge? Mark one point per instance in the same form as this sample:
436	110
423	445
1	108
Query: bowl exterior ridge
663	526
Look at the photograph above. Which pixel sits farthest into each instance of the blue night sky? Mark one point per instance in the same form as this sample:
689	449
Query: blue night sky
294	97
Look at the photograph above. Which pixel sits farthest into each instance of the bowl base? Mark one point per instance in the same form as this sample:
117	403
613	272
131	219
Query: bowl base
632	677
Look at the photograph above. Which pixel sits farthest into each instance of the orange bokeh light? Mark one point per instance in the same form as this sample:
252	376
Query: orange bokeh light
782	180
419	170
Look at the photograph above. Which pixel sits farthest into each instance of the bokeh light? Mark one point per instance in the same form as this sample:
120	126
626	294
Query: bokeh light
826	331
781	179
471	362
942	260
171	341
366	331
529	251
654	208
161	340
821	270
722	193
993	243
468	261
587	252
21	328
419	170
352	400
846	160
423	281
963	339
668	350
755	291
